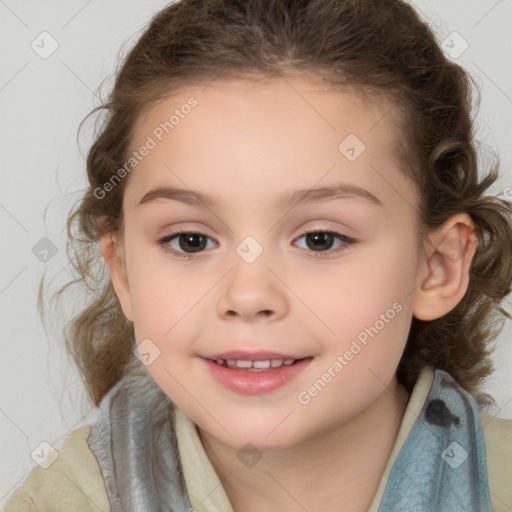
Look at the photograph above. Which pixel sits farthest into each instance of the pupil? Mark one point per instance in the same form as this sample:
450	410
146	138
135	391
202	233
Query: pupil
321	238
196	242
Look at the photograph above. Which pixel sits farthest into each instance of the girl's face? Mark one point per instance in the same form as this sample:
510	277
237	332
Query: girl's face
259	166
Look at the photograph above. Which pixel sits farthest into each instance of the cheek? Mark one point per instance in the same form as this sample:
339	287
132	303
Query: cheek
373	281
164	295
368	307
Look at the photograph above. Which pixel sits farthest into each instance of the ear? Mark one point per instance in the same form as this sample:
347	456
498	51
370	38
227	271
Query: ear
451	251
113	252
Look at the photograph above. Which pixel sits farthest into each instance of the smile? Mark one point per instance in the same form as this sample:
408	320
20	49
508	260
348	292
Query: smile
255	374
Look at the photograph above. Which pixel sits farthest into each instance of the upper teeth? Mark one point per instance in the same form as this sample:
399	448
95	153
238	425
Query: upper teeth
240	363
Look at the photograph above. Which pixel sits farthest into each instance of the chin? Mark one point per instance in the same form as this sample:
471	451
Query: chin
270	433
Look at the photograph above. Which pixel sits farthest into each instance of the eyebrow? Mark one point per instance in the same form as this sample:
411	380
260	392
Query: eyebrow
196	198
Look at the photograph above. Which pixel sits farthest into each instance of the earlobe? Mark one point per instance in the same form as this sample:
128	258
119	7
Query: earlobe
112	250
447	268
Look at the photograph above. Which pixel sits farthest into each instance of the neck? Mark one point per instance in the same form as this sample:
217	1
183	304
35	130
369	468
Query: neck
343	465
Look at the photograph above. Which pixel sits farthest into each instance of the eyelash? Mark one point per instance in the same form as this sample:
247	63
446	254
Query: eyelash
348	242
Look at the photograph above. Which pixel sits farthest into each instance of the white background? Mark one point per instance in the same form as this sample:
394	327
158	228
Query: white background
43	171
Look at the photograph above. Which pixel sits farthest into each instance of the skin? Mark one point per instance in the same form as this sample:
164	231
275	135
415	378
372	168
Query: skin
247	143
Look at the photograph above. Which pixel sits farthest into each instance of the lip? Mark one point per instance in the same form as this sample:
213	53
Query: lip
255	383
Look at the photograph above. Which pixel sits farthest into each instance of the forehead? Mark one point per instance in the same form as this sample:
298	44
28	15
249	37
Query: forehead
247	137
315	105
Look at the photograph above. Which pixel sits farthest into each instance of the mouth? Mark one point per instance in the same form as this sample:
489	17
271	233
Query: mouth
256	373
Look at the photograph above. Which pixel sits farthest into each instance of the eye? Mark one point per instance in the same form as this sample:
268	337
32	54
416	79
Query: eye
322	241
186	241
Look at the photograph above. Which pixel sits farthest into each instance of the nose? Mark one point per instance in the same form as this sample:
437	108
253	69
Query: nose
252	292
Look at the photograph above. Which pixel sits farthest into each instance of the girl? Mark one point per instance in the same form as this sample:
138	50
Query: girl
305	273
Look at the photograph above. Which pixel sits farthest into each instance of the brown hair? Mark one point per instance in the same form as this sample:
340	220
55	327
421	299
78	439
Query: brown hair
377	45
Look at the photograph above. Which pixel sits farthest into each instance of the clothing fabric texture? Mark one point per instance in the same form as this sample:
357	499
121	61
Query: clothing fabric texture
145	454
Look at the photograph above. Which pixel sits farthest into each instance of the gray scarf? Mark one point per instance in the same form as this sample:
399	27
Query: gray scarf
441	466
